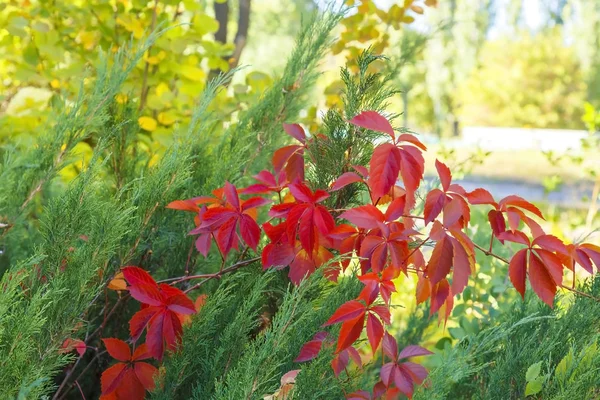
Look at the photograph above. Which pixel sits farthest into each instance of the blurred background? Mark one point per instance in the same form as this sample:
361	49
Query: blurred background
506	92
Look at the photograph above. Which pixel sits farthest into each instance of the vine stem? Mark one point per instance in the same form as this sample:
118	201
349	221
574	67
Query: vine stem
490	254
580	293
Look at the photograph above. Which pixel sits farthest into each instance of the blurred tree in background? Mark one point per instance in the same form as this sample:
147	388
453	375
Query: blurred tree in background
534	81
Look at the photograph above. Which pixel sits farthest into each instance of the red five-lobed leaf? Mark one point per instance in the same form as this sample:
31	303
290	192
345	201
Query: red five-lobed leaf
162	316
130	378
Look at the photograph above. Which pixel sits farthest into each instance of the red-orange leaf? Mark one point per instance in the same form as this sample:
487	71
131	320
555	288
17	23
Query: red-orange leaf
385	168
118	349
350	310
365	217
517	271
345	179
374	121
295	131
441	260
444	174
481	196
434	203
311	349
374	331
350	332
541	280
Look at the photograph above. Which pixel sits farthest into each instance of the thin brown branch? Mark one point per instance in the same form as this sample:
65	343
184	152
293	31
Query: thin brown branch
217	275
490	254
580	293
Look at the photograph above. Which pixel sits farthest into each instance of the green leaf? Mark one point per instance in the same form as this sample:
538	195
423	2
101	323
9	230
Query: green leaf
533	371
534	387
564	366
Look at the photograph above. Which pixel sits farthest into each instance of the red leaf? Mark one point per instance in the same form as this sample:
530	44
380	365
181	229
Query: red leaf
412	167
301	192
73	344
522	203
253	203
147	294
517	271
365	217
434	203
112	377
461	267
344	180
181	305
250	231
183	205
135	275
384	167
413	351
405	137
227	236
390	346
203	244
444	174
308	231
374	121
516	237
141	353
311	349
551	243
282	155
441	260
416	371
456	211
231	195
295	131
350	310
294	169
350	332
541	281
481	196
395	209
145	374
439	295
374	331
497	223
140	320
118	349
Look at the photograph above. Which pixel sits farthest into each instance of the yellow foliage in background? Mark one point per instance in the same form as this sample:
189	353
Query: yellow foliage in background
47	47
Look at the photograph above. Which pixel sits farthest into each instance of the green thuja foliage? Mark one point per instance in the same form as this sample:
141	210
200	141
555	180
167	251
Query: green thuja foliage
495	363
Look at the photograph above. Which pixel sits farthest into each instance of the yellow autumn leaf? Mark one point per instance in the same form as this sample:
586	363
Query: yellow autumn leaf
132	25
118	282
87	39
161	89
166	118
55	84
152	60
147	123
192	73
121	98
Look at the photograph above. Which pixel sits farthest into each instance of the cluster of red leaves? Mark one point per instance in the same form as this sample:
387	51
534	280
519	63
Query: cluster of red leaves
164	310
386	243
